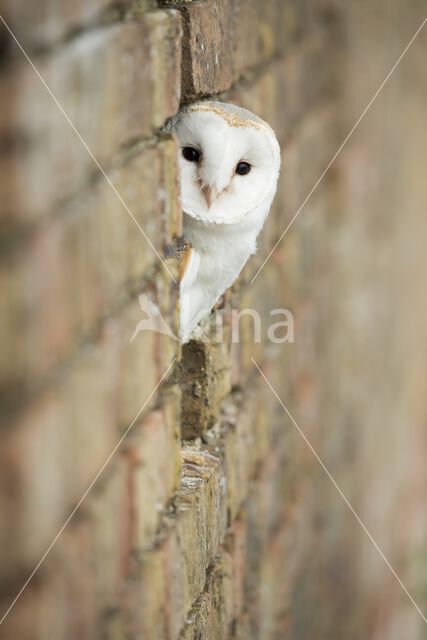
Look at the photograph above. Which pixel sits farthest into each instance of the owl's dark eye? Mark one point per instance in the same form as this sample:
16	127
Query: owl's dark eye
191	154
243	168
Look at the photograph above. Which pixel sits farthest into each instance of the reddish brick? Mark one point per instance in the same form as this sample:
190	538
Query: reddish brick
207	63
224	39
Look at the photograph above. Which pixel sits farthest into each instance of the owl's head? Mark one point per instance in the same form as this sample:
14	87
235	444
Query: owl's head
229	162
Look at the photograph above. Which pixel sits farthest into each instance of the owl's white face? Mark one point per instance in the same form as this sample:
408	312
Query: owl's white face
229	162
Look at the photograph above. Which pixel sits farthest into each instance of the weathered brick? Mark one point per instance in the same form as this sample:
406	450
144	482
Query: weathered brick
196	534
211	614
169	577
84	260
222	40
148	185
76	425
94	553
233	580
198	620
212	506
150	452
32	486
52	21
82	575
108	246
116	84
38	307
206	380
207	62
141	364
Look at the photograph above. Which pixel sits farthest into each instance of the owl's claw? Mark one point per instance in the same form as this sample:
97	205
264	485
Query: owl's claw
177	248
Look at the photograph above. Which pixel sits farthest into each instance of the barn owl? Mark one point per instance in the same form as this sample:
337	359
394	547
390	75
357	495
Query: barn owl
229	166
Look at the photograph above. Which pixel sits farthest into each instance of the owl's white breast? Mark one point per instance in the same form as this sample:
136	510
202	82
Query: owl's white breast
224	249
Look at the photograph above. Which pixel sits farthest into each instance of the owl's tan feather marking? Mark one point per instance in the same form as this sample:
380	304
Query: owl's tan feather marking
185	261
231	117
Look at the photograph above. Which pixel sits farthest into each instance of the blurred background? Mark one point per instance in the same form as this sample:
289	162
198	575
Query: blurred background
149	491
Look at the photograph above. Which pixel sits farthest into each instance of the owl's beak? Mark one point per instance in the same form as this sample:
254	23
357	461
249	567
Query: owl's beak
209	194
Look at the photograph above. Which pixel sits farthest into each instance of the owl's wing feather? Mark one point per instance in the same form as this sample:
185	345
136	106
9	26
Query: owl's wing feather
188	269
187	289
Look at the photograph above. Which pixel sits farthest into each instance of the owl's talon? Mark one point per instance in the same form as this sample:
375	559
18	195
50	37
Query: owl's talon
177	248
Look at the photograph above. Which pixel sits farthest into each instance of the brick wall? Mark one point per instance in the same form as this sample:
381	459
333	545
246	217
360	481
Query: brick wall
206	522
